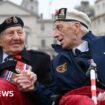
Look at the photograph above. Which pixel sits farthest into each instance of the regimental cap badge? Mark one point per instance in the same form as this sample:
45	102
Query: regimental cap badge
15	20
61	13
62	68
8	21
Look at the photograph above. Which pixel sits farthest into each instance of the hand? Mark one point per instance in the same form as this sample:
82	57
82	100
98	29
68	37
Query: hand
25	81
101	96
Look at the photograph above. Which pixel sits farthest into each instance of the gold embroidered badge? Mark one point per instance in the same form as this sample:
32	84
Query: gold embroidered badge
62	68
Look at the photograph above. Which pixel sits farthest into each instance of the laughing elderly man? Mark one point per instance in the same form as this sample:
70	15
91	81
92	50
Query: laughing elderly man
20	70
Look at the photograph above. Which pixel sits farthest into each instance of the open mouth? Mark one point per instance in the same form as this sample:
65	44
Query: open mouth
61	41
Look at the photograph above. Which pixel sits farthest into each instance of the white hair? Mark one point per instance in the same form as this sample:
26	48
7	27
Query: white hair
84	29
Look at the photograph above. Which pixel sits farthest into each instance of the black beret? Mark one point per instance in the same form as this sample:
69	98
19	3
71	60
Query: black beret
11	22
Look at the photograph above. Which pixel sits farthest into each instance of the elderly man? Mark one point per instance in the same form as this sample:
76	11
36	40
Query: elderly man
20	70
77	47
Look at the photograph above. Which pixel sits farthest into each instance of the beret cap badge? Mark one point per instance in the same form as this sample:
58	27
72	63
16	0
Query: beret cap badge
13	19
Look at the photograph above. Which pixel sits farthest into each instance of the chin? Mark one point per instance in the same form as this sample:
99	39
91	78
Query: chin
64	47
16	51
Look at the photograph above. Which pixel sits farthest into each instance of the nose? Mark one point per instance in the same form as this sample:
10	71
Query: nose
56	33
16	36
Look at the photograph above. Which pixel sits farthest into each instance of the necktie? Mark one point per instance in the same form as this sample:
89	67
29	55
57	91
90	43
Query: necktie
8	58
77	52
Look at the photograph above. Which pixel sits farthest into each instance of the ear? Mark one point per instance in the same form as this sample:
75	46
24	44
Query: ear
0	41
77	27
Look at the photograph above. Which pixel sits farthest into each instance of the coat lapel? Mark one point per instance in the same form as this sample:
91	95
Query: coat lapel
1	54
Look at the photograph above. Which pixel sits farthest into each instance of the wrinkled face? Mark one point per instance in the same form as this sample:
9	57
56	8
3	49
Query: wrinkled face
66	33
12	40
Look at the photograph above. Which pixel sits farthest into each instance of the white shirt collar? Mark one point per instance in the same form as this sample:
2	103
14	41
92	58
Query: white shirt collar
83	47
4	55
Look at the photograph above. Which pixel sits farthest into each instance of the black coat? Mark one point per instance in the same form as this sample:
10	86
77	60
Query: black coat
40	63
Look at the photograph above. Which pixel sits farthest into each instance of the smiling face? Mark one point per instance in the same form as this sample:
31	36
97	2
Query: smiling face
12	40
67	33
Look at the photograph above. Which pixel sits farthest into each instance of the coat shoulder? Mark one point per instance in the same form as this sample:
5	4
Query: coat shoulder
39	54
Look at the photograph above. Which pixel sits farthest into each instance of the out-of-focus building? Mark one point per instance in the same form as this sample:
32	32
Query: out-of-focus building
96	13
31	5
98	22
45	38
86	8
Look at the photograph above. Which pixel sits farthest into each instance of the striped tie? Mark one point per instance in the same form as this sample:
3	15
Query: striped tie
10	57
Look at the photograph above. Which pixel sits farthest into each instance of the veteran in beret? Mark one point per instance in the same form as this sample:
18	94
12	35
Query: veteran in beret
77	47
21	70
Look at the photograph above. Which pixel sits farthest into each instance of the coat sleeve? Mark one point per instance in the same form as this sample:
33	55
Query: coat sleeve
44	69
41	66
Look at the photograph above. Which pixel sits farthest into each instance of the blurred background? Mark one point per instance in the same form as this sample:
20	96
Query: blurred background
38	18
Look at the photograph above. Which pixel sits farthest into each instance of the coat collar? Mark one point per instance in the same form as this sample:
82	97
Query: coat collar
89	37
25	55
1	54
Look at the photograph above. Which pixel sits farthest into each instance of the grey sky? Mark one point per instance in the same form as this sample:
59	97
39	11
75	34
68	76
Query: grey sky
48	7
